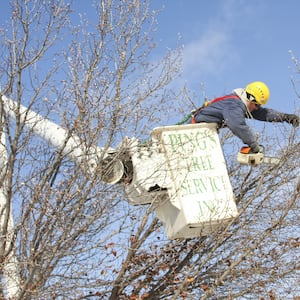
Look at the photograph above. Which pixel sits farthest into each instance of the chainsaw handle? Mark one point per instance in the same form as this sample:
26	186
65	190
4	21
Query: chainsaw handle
247	150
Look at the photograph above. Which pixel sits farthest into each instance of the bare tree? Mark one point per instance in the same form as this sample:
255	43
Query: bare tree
76	237
98	84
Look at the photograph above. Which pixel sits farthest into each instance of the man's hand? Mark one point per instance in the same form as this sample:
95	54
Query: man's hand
292	119
257	149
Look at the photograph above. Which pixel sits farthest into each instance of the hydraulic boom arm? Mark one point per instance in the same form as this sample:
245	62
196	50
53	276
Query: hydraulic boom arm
110	168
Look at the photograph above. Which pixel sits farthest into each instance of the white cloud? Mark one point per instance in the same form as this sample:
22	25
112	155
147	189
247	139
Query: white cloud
211	54
217	49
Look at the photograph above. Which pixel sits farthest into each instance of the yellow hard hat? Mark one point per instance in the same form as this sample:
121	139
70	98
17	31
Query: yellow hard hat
259	91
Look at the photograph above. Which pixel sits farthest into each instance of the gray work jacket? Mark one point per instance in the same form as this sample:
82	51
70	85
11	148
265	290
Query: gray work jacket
232	113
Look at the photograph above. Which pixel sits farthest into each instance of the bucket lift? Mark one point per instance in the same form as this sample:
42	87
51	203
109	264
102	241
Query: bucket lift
181	171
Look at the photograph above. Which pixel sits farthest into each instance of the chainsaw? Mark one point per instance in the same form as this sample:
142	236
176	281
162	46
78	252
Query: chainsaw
246	157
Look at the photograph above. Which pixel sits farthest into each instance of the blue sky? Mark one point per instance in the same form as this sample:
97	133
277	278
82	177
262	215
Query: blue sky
229	43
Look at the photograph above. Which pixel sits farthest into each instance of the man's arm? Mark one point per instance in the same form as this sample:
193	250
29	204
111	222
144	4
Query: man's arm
272	115
234	117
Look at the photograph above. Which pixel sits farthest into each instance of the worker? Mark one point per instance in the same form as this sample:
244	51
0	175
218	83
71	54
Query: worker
232	110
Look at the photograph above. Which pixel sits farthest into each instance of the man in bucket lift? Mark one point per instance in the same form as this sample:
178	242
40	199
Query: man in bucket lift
232	110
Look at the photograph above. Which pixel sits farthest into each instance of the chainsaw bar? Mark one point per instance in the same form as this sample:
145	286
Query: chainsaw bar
271	160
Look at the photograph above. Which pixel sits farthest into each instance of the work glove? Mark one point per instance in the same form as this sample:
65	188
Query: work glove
292	119
257	149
